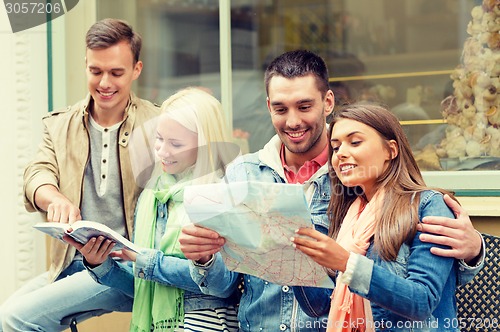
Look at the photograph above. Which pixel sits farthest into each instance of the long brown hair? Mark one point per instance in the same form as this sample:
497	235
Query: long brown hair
402	180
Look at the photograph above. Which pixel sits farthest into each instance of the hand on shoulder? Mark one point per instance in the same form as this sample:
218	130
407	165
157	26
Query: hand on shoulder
459	234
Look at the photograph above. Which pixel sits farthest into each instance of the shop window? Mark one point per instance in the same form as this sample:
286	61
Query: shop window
434	63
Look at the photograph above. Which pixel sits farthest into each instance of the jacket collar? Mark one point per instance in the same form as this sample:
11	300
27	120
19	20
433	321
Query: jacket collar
129	110
270	156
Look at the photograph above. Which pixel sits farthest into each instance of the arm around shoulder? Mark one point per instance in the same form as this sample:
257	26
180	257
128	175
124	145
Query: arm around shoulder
463	241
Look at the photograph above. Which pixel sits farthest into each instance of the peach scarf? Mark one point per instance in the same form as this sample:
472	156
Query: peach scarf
348	311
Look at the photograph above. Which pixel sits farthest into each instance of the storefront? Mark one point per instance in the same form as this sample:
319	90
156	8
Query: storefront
409	54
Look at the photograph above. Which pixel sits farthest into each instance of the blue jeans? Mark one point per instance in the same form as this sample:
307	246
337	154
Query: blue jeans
40	305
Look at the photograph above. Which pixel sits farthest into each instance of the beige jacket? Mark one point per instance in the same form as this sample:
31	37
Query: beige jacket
64	153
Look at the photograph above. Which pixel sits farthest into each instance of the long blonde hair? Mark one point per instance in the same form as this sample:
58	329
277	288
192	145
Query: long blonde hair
200	112
402	181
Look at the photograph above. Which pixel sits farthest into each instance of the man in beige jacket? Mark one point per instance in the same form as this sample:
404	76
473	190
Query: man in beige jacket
87	167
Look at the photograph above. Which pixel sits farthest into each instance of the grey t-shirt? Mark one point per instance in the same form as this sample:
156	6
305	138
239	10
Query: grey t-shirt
102	199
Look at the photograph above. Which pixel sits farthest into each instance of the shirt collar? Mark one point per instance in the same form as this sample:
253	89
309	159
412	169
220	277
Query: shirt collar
307	170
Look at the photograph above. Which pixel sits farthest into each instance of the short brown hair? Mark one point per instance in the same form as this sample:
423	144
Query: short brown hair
109	31
299	63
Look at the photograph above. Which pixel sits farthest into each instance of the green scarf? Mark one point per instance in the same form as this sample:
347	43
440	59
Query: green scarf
158	307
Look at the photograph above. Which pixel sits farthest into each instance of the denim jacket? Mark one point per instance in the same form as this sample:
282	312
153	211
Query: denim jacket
415	292
265	306
153	265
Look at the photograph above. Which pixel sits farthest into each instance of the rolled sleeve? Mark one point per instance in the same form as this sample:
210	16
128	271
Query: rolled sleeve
99	272
153	265
43	170
145	263
214	278
114	274
358	273
31	184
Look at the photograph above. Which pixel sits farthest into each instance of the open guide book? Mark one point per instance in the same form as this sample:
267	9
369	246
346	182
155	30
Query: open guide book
83	231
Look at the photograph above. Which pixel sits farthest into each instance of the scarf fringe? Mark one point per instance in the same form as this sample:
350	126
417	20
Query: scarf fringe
347	304
163	326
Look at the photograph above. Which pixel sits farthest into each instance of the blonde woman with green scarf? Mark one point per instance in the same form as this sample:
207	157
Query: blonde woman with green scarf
192	146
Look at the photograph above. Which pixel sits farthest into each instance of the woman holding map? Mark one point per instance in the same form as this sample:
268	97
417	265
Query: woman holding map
191	147
386	277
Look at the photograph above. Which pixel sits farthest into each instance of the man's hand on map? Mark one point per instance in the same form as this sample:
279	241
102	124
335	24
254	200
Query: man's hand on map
321	248
199	244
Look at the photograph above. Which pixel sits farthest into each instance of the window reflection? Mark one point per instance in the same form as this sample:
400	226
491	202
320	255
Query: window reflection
408	54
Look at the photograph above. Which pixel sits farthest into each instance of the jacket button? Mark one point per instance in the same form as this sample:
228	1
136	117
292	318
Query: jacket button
285	289
282	327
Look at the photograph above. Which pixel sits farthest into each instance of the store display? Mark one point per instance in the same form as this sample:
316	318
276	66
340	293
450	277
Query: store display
472	112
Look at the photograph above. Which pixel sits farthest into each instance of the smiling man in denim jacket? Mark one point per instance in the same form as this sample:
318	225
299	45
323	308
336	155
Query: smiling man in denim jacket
299	100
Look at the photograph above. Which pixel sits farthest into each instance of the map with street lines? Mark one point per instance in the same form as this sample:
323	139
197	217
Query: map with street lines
258	219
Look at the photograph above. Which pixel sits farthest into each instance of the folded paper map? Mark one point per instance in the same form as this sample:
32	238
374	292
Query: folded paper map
258	219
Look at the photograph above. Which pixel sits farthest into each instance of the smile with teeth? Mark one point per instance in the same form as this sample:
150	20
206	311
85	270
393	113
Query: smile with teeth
166	162
106	94
344	168
296	134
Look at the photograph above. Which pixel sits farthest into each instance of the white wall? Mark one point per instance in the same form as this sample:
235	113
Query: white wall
23	92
